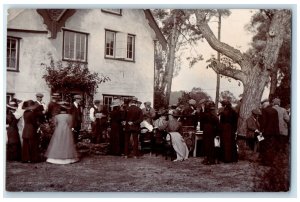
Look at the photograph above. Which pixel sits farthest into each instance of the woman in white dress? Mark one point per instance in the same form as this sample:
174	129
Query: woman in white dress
61	149
178	142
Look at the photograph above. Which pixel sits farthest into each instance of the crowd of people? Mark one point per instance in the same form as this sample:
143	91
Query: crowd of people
127	122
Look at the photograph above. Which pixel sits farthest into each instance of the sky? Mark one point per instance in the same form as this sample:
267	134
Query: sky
234	34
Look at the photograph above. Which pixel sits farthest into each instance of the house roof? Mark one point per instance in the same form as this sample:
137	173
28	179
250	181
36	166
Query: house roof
155	27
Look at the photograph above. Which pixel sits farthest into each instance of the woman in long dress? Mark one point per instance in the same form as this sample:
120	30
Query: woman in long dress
210	123
178	143
116	128
30	147
61	149
228	124
13	145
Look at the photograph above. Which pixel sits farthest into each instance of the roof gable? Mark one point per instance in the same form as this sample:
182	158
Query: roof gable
55	19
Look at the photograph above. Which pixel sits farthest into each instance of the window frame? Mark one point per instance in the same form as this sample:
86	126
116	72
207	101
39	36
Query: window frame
86	46
17	39
110	11
115	45
111	97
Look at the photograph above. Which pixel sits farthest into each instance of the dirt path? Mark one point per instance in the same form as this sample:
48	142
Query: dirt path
116	174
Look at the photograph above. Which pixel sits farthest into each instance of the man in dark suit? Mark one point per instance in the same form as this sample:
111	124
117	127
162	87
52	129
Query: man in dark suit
134	117
270	130
76	116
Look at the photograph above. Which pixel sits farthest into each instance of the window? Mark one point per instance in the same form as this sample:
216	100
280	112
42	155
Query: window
130	47
113	11
109	43
119	45
107	99
12	49
75	46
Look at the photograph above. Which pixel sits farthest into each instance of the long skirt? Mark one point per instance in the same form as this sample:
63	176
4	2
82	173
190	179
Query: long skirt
179	146
30	150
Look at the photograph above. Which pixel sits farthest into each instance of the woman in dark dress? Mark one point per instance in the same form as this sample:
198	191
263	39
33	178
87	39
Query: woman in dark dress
13	145
116	128
210	123
30	149
228	123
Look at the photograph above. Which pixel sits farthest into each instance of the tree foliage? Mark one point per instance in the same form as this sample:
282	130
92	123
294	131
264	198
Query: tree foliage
227	95
72	76
196	93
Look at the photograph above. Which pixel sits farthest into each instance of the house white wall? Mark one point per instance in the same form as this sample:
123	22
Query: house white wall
127	78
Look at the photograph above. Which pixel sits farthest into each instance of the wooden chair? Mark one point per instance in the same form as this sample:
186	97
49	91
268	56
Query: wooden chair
188	134
146	140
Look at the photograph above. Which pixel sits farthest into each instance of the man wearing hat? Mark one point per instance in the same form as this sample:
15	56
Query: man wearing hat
133	119
148	112
283	117
189	114
253	129
53	106
98	119
39	100
283	121
270	130
76	113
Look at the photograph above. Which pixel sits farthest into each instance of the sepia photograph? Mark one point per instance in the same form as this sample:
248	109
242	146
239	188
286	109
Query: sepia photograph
113	99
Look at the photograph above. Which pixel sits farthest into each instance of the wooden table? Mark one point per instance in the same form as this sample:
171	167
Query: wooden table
198	136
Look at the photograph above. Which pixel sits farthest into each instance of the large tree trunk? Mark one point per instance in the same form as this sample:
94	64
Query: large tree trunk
171	58
253	89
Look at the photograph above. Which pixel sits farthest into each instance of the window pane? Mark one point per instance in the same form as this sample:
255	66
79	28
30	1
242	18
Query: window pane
75	46
130	45
109	41
11	60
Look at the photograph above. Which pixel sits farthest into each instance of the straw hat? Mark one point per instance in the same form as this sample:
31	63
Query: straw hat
12	105
115	103
192	102
78	97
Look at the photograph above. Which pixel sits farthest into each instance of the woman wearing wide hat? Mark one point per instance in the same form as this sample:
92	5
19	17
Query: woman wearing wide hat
13	145
61	149
30	148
